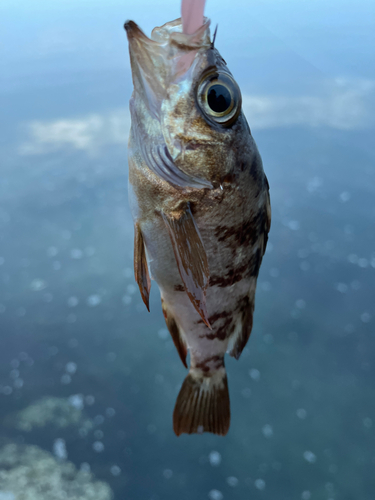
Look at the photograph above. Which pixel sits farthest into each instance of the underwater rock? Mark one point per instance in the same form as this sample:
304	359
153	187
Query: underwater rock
59	412
29	473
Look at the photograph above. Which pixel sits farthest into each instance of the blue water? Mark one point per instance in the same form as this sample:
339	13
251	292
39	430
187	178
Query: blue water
71	319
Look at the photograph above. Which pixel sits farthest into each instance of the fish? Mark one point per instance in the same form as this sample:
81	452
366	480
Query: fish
200	202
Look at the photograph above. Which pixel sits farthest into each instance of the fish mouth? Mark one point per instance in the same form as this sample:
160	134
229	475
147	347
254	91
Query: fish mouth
163	59
157	63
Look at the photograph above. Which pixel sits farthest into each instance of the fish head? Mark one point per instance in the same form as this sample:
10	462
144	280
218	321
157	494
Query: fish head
186	105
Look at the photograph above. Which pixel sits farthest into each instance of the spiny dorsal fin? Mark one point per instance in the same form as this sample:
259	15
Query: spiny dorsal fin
141	274
175	332
190	256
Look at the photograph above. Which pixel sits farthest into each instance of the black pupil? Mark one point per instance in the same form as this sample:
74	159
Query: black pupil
219	98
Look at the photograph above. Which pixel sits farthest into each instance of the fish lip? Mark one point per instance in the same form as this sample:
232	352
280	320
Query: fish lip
134	31
161	35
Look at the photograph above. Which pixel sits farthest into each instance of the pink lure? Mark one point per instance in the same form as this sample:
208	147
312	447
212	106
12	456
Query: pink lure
192	15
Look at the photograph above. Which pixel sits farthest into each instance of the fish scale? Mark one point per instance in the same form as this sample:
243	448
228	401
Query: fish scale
201	209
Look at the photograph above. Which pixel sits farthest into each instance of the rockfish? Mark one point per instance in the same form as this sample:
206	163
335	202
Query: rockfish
201	208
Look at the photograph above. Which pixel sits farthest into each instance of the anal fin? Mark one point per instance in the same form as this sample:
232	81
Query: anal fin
141	273
175	332
190	256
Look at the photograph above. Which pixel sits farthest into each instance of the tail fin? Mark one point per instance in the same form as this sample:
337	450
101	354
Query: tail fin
203	404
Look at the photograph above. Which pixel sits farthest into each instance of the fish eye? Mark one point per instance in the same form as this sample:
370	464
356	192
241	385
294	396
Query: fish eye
219	98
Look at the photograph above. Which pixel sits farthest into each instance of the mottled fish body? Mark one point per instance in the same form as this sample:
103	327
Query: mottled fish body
200	203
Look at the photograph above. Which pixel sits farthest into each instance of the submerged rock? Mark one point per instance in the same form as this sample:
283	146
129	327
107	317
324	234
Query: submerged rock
29	473
59	412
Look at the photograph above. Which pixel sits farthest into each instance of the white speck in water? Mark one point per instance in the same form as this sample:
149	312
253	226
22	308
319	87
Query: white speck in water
167	473
314	183
131	289
73	301
37	285
98	446
126	299
110	412
14	374
269	247
267	431
90	400
66	379
71	367
56	265
232	481
14	363
306	495
85	467
215	458
304	265
342	287
353	258
18	383
76	400
52	251
127	272
59	449
76	253
345	196
98	434
254	374
98	420
363	263
300	303
163	333
365	317
301	413
115	470
266	286
367	422
215	495
7	390
260	484
93	300
2	260
309	456
274	272
294	225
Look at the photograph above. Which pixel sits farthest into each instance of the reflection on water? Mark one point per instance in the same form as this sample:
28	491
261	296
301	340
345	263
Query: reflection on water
86	374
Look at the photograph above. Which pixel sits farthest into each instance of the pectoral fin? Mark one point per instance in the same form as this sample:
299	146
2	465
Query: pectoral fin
141	274
190	256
